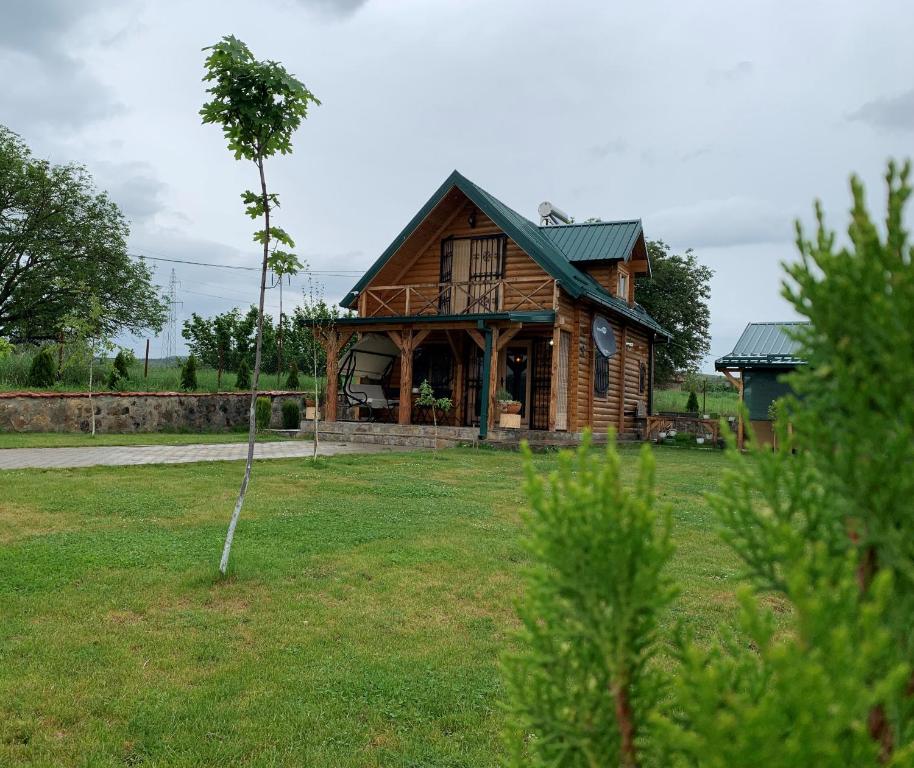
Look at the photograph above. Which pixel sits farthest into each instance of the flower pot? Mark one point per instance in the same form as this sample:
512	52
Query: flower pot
510	407
661	436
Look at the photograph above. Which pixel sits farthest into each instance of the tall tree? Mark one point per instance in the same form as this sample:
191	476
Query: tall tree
58	234
676	295
259	106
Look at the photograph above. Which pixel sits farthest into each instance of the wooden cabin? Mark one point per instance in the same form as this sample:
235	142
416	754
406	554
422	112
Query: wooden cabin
763	355
477	299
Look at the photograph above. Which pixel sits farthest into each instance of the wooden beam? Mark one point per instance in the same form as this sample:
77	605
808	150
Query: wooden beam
740	427
419	337
493	377
575	369
622	369
333	341
507	335
731	378
428	243
477	337
554	379
406	378
457	390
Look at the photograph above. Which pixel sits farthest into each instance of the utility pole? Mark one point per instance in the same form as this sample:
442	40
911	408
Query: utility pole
170	337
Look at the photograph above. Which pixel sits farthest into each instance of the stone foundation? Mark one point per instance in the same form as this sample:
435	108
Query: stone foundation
133	411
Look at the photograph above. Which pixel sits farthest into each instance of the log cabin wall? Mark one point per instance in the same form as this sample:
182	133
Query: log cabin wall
602	412
607	275
421	264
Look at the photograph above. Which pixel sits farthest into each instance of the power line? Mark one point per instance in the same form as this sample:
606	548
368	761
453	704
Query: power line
333	273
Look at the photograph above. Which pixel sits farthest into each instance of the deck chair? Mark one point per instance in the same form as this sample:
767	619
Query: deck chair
365	369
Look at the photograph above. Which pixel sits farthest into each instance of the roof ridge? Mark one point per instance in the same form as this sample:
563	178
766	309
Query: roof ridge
588	223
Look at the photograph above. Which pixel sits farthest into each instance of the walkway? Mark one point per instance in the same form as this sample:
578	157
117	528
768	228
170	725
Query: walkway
113	456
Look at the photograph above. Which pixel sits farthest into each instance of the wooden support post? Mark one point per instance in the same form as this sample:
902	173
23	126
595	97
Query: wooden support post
406	375
740	427
146	362
622	370
457	346
333	341
575	369
493	378
554	378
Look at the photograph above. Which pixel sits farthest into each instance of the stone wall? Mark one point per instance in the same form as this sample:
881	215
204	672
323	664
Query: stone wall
133	411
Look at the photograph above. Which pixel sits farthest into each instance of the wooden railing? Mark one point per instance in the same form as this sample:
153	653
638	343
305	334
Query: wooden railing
463	298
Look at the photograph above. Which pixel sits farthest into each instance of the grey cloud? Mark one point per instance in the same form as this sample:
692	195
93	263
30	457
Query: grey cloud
724	222
333	7
134	187
893	113
42	84
611	147
739	71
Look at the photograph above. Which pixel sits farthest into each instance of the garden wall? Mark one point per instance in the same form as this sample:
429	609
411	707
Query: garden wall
132	411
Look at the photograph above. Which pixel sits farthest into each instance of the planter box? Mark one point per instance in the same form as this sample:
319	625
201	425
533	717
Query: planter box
309	413
509	421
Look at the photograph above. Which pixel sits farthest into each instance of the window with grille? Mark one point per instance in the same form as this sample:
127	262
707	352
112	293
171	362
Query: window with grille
471	268
600	374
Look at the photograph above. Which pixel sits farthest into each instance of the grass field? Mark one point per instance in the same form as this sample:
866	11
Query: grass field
368	604
721	403
73	440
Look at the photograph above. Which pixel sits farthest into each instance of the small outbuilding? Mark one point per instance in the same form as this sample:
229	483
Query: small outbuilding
756	367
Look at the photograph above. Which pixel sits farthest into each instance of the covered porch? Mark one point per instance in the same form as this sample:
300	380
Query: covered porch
465	358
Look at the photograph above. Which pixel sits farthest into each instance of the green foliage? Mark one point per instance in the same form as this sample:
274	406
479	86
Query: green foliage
189	374
291	414
504	396
292	380
43	371
594	591
692	402
819	669
258	104
263	412
60	234
427	398
676	295
120	372
6	349
243	377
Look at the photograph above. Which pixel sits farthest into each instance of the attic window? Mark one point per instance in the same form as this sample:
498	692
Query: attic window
623	286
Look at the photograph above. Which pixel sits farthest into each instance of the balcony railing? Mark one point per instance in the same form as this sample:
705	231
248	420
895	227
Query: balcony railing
461	298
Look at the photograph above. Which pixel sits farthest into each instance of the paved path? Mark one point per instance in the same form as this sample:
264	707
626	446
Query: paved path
112	456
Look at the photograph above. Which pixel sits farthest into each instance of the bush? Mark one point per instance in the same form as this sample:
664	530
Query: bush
120	373
243	376
292	381
263	412
189	374
692	404
43	370
291	415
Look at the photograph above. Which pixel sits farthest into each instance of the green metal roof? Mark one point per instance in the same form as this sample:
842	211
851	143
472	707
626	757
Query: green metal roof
596	241
528	236
765	345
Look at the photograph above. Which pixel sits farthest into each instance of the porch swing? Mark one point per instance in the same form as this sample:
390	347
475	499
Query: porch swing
365	370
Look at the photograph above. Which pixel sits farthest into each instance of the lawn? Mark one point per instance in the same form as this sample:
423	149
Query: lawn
80	440
721	403
368	604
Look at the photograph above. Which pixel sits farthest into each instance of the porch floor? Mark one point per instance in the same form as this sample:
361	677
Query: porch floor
423	435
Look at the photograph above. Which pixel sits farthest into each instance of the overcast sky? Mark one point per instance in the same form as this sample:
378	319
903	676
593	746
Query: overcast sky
716	123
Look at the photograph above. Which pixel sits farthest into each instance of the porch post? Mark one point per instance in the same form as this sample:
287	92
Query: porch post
332	342
623	364
457	390
740	427
406	377
486	384
554	379
493	375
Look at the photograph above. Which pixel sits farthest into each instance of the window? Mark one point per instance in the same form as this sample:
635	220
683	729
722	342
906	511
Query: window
470	270
623	286
642	378
600	374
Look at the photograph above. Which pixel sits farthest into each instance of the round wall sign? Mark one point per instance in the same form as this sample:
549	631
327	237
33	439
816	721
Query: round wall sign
603	336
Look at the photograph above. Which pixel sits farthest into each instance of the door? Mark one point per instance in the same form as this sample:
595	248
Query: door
517	381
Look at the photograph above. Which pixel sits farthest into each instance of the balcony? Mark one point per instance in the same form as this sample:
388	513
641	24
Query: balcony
459	298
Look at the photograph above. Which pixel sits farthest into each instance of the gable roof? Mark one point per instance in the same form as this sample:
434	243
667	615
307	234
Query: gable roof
764	345
595	241
528	236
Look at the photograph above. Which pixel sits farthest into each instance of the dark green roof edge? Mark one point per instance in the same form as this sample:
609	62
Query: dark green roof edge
528	237
749	362
541	316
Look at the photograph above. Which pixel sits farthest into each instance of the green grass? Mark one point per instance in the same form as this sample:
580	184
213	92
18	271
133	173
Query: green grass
79	440
722	403
369	601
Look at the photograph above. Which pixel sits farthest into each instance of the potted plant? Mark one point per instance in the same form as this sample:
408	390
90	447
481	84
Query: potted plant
509	410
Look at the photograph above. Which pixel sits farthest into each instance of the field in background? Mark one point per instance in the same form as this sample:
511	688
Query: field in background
721	403
162	377
369	602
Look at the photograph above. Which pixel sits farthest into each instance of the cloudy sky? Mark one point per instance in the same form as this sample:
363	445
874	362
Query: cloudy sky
716	123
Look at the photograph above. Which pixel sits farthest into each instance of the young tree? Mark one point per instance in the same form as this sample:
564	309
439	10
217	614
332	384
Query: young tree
292	379
189	374
57	229
283	265
259	105
428	399
243	376
676	295
822	526
43	370
86	330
